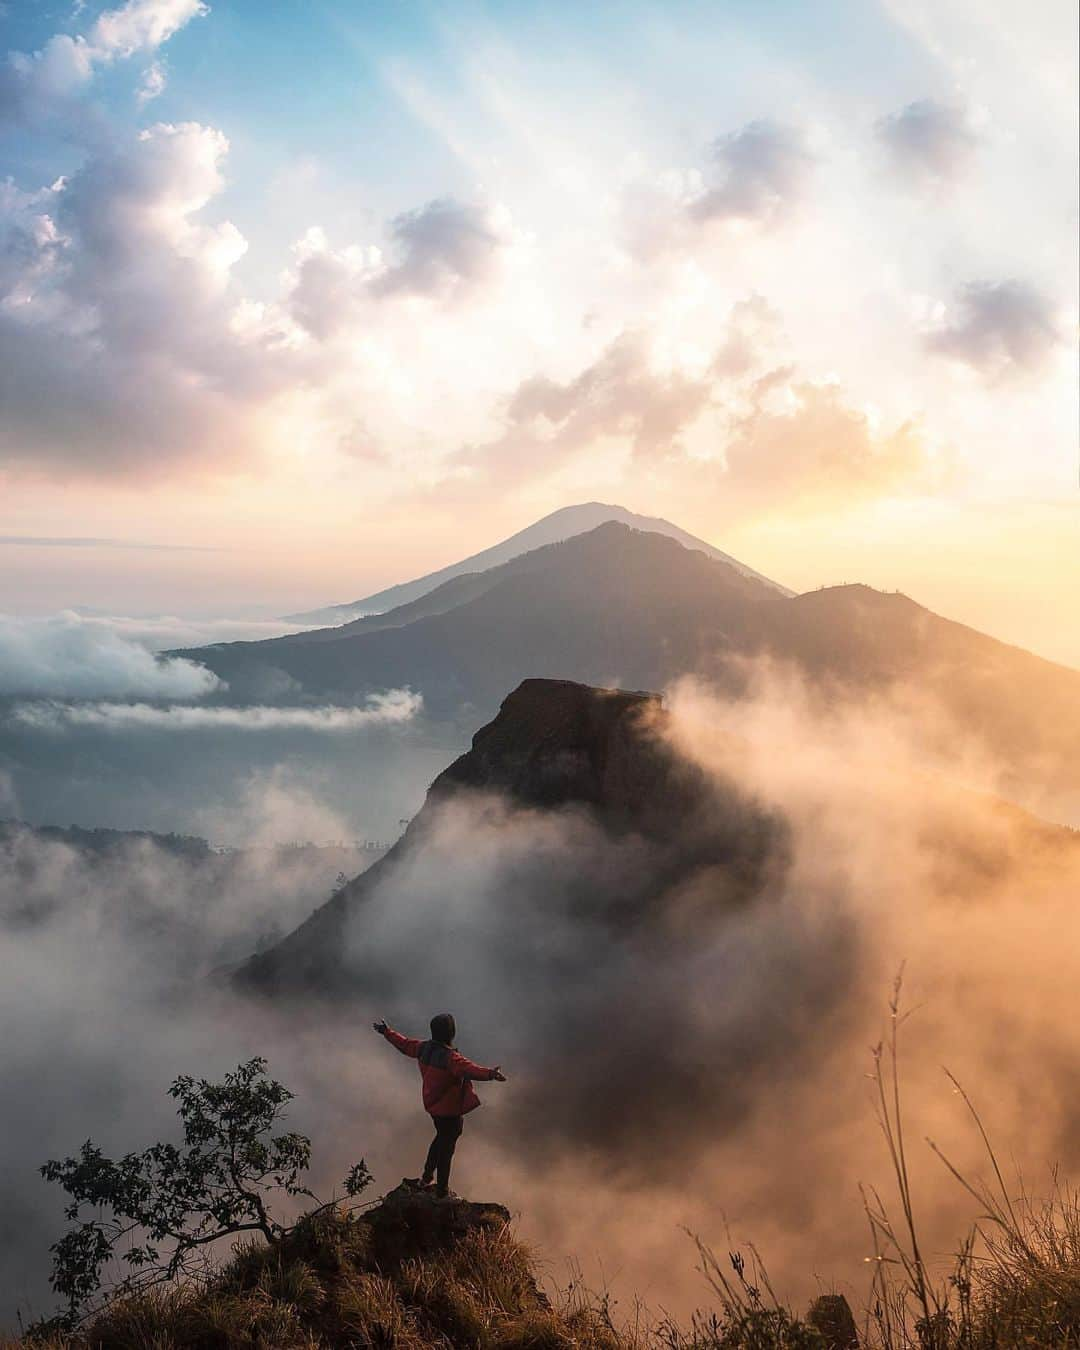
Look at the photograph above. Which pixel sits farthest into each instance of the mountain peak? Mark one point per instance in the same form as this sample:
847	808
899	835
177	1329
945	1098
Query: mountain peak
564	523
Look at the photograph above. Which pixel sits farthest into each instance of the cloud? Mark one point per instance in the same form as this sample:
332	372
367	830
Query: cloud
162	632
152	84
393	706
68	657
445	246
30	243
755	177
118	347
802	445
621	393
732	425
328	286
929	142
631	392
444	250
765	169
117	940
999	328
126	344
756	981
140	25
38	86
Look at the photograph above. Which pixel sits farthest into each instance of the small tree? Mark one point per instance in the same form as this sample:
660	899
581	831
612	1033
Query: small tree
156	1212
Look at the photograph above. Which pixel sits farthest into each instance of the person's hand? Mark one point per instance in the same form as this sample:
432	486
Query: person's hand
497	1075
380	1027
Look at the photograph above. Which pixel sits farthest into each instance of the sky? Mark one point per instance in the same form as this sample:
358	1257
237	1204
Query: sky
298	301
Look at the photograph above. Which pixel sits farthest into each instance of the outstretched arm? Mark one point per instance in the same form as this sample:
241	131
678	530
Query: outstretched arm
408	1045
465	1068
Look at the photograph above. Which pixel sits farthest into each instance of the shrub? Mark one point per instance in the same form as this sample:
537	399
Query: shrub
156	1212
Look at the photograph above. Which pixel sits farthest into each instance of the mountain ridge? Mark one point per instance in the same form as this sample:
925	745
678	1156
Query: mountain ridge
633	609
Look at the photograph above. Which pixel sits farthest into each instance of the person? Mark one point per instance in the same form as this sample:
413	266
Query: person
448	1092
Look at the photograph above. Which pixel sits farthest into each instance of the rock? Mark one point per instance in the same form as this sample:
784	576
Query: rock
408	1223
555	742
602	756
831	1315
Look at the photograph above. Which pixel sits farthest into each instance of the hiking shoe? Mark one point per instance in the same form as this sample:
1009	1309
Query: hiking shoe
446	1197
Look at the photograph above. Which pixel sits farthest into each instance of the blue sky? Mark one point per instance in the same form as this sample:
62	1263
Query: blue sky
330	288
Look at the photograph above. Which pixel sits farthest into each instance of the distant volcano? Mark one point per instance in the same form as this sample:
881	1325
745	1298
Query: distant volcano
559	525
636	609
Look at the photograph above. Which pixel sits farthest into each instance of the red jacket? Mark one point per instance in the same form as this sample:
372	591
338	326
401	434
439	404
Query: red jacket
447	1076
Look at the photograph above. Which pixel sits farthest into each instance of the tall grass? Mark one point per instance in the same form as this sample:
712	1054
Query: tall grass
1013	1282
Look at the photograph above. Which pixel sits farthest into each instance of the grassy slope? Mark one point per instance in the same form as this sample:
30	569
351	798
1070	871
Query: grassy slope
412	1274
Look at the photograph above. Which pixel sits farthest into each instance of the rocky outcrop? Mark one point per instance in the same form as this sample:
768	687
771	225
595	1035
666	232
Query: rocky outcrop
831	1316
409	1223
556	746
558	743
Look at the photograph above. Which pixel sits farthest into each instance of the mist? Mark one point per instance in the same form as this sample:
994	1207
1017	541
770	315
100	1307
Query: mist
687	1045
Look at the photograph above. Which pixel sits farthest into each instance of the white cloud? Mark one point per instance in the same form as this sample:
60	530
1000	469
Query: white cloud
66	656
152	84
38	86
393	706
116	340
928	141
445	246
733	424
328	286
999	328
441	252
140	25
162	632
765	169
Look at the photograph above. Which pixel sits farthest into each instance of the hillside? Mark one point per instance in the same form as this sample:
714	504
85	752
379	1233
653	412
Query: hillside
635	609
411	1273
559	525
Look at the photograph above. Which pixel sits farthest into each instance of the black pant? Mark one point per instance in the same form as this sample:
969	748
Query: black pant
441	1153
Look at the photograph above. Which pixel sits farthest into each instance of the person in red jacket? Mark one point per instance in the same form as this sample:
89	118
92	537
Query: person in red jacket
447	1084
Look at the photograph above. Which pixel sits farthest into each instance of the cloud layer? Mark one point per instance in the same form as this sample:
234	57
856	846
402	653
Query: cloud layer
71	657
394	706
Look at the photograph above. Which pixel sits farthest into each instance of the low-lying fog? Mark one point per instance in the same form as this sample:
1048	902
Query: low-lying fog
714	1080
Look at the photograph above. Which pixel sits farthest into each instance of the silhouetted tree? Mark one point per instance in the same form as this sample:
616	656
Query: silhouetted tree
157	1211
